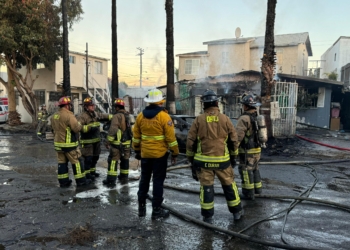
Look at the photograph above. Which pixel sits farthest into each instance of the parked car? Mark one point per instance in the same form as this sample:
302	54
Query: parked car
3	113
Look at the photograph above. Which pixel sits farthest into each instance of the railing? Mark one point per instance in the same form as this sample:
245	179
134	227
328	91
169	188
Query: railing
99	93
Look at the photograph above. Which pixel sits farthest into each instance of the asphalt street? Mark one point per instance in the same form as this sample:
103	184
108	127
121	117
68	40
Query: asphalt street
36	214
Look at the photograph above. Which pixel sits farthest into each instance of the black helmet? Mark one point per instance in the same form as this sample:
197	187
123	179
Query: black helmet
250	100
209	96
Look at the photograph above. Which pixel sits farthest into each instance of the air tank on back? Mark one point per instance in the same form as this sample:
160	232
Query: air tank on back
262	131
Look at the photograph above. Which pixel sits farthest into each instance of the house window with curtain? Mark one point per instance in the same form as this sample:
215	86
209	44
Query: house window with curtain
191	66
98	67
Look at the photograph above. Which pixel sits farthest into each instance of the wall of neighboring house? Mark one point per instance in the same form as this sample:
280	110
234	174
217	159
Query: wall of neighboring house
336	57
318	116
195	74
228	58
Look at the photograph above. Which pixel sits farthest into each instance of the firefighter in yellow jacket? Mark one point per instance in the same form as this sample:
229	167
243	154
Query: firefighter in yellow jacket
42	118
119	143
66	130
212	148
249	148
154	135
90	138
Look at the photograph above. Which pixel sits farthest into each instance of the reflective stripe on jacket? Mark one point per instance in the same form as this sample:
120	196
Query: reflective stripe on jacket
154	136
244	130
115	132
91	120
212	139
65	127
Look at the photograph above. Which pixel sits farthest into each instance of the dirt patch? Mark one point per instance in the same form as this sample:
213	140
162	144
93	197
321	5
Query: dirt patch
80	235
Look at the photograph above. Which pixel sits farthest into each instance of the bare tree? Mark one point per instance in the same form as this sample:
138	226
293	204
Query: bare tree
115	80
170	104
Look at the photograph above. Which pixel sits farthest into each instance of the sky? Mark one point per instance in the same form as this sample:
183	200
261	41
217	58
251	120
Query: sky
142	24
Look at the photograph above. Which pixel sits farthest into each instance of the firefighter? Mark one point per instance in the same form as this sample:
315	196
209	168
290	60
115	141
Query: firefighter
90	139
212	148
249	148
66	128
119	143
154	135
42	118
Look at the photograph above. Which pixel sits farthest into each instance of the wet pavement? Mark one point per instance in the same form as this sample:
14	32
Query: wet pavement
36	214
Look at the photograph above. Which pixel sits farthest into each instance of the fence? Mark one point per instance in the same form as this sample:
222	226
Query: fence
283	109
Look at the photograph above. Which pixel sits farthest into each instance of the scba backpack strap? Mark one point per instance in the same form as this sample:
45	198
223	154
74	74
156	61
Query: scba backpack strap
127	134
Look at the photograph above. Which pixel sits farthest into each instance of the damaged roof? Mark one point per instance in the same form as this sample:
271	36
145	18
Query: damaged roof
259	42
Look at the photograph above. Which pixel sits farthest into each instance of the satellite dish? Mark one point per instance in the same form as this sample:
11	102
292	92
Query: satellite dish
238	32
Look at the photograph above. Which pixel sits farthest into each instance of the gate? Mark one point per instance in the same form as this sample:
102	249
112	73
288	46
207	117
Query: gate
284	98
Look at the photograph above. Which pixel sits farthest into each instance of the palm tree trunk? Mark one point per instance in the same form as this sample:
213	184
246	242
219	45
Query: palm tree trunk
115	79
268	64
170	104
66	72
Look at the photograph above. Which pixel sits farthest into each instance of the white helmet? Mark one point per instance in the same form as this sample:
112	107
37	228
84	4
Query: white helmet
154	95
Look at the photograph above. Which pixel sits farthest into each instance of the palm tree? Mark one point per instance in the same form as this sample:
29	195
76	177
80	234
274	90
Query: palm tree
170	104
66	73
268	63
115	80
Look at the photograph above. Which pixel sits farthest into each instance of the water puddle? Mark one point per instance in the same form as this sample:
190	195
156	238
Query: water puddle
7	182
3	167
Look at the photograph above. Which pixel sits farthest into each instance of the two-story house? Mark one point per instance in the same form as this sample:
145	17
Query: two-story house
48	86
337	56
231	56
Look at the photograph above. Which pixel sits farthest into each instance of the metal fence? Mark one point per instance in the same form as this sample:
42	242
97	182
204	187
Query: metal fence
283	109
185	106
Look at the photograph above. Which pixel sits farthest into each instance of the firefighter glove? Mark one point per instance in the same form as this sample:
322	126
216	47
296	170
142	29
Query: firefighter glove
138	155
194	173
233	161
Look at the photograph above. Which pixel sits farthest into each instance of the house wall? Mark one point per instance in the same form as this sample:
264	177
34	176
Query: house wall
237	60
203	67
331	62
319	117
50	80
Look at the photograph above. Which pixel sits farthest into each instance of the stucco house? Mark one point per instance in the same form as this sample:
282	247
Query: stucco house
48	86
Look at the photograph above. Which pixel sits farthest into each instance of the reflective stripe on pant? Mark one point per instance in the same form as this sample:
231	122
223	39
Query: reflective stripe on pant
112	170
79	171
248	166
206	197
257	182
62	173
226	177
124	167
232	198
157	167
74	156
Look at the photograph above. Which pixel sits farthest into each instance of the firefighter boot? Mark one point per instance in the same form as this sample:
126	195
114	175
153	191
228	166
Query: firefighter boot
159	212
257	182
142	208
208	219
87	167
66	184
112	173
93	166
237	216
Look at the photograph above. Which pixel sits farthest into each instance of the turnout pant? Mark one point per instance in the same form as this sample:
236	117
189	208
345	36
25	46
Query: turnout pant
124	164
91	153
250	174
74	157
113	158
206	196
157	167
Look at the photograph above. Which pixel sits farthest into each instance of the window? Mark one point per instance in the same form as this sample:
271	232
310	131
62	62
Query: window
224	57
98	67
191	66
308	98
40	95
321	97
72	59
54	96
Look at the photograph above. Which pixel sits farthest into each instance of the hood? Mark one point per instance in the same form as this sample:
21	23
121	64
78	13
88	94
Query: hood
151	111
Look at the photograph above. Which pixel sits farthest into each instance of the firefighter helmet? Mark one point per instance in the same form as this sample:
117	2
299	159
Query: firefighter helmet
88	101
209	96
119	102
65	100
250	100
154	96
43	106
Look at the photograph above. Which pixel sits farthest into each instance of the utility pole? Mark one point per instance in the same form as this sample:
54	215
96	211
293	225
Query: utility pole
66	73
87	70
140	54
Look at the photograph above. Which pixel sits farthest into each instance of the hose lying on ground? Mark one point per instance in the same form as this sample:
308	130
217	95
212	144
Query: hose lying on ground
322	144
238	235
